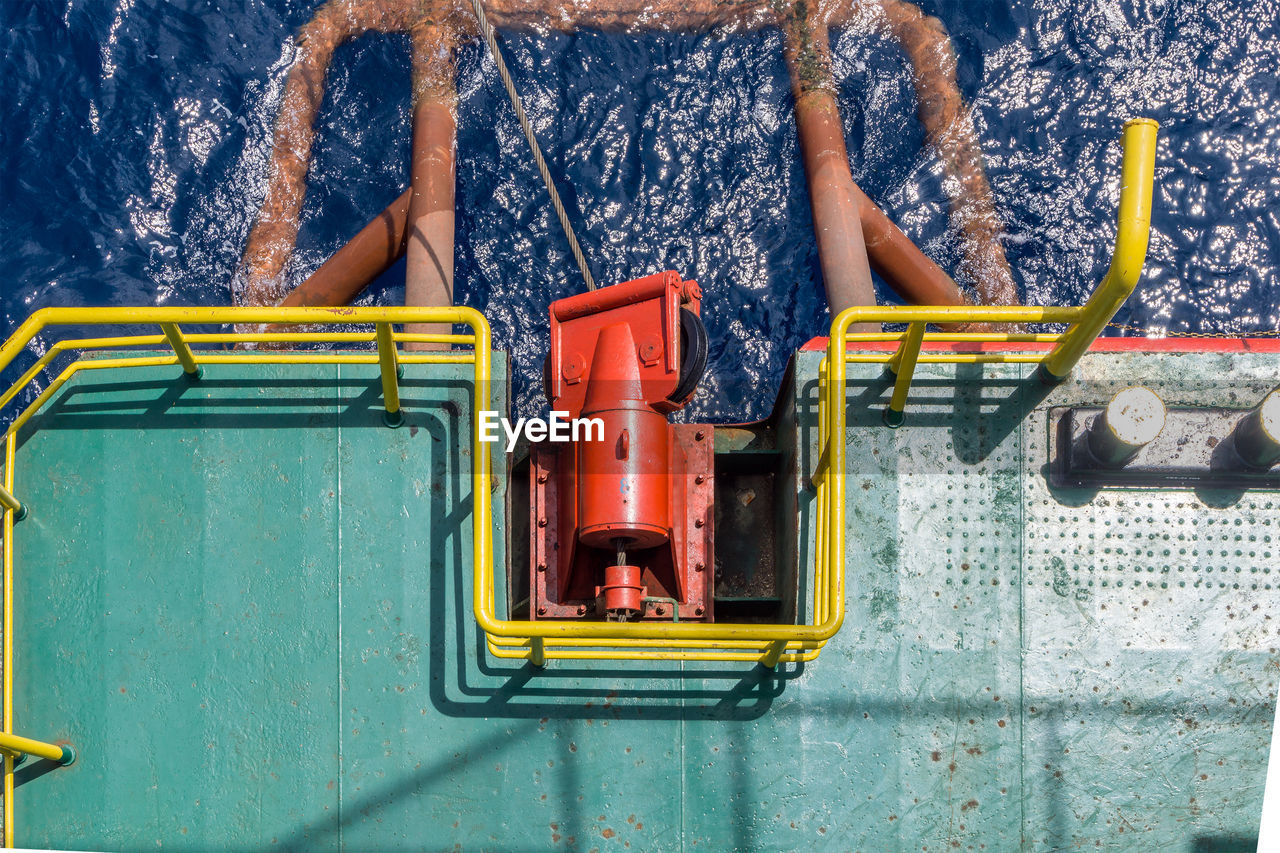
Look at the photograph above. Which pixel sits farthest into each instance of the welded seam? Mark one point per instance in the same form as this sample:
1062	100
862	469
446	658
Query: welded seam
337	454
1022	644
684	724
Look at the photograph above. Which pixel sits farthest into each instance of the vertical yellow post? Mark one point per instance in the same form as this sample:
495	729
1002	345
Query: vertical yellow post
389	364
824	469
538	652
182	350
6	656
904	364
896	358
770	658
1130	253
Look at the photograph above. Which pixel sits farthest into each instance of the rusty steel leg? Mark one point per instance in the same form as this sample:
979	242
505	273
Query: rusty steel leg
365	256
890	252
274	233
837	225
950	130
901	264
349	270
436	26
429	269
846	274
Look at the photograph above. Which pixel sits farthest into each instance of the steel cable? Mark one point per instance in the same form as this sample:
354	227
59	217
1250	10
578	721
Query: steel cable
487	31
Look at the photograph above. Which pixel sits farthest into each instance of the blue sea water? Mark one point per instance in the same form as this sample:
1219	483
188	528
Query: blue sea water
135	138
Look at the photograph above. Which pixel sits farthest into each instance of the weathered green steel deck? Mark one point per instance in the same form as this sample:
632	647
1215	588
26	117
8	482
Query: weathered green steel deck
246	602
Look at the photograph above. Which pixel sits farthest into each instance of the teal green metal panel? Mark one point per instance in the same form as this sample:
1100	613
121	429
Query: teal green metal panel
174	608
901	735
281	586
1151	652
1023	704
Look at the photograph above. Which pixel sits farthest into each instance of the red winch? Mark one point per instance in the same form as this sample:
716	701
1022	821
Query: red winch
621	517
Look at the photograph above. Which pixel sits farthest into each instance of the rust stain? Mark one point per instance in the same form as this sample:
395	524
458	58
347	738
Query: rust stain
607	832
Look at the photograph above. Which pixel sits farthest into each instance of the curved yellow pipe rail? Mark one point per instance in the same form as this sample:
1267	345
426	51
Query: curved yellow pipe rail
1133	230
543	640
169	320
1085	323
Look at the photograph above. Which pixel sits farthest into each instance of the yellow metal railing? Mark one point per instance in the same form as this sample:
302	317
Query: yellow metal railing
765	644
170	321
1084	323
537	642
771	644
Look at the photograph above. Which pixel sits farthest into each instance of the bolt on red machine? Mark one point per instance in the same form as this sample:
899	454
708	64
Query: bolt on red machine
621	519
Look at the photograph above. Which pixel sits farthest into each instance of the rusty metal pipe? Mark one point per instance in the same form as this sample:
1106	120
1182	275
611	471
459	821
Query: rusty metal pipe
901	264
837	226
275	232
950	131
365	256
429	265
891	254
852	232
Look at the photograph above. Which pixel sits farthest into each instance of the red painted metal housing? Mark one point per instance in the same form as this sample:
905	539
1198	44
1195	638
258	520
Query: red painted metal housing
622	517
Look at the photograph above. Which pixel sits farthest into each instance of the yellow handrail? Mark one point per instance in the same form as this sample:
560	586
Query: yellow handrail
18	745
181	349
169	322
539	641
1084	323
6	642
1133	230
12	504
389	367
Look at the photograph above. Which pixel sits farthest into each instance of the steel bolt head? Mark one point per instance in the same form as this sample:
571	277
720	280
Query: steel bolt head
542	522
542	611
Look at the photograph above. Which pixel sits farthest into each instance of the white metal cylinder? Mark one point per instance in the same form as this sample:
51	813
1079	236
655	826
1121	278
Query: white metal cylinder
1132	419
1257	434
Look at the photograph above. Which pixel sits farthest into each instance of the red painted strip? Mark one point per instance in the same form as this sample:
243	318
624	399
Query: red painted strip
1262	345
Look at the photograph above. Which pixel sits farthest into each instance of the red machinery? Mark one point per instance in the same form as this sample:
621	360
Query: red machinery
621	518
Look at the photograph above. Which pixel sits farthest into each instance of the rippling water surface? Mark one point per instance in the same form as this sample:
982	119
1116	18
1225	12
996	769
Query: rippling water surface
136	135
